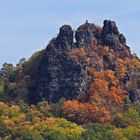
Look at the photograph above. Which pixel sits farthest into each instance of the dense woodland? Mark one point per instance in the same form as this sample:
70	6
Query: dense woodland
88	89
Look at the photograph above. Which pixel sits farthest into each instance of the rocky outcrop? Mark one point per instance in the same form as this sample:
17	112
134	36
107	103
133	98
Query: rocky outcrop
65	35
86	35
110	34
112	37
60	76
134	95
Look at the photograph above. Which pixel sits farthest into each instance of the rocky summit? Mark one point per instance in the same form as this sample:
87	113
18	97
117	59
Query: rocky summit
64	67
84	85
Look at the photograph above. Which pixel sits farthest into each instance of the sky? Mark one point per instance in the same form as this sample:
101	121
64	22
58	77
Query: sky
27	26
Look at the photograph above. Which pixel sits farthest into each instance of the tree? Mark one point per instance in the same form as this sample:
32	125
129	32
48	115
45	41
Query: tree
7	70
84	113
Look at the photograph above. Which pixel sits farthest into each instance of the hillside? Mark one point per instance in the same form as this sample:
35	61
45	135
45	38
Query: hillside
84	85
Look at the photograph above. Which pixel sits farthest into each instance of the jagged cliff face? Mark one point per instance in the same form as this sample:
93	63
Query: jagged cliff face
57	71
63	69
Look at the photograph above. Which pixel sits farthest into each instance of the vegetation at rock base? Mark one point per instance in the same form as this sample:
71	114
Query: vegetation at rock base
87	89
38	122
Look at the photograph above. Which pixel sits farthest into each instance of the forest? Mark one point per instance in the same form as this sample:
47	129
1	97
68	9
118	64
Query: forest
88	89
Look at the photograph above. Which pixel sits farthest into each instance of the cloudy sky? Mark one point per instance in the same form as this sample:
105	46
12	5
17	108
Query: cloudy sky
27	25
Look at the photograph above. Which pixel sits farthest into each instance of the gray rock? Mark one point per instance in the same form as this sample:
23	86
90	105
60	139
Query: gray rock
58	75
85	35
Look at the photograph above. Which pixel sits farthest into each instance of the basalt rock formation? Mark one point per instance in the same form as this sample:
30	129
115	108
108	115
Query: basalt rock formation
63	68
57	71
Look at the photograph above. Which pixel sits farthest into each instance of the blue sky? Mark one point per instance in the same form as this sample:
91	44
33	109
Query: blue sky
27	25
